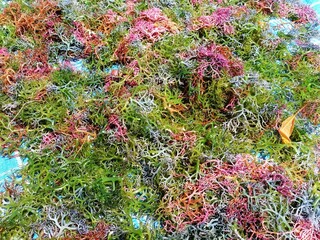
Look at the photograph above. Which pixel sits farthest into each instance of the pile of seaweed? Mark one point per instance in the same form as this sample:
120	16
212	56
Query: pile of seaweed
164	119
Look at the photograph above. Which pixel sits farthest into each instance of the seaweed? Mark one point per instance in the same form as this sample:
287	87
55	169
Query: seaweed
160	119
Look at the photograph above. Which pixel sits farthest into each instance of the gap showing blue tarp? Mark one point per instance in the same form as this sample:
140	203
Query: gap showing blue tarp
9	166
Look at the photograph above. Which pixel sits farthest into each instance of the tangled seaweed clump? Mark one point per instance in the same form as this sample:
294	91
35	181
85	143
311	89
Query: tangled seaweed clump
160	119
